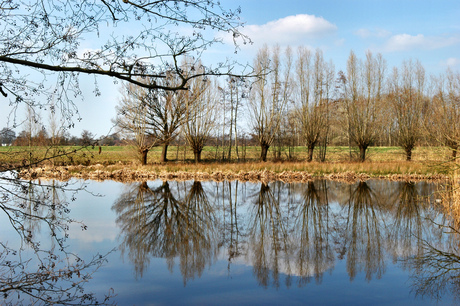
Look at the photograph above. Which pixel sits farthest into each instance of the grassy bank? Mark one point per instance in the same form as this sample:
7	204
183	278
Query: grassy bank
381	161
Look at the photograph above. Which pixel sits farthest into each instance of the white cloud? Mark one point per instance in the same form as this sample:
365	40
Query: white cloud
367	33
451	62
406	42
290	30
340	42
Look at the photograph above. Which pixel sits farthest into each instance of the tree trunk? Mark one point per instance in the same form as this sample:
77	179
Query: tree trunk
311	148
408	154
197	155
143	153
362	153
323	149
236	145
264	152
164	153
143	186
454	153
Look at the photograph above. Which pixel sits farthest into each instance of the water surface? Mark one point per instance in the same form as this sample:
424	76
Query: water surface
323	242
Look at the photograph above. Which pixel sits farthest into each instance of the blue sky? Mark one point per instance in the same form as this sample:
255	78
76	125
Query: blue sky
401	30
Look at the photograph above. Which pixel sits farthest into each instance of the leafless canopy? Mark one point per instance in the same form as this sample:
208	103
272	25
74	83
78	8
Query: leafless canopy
45	39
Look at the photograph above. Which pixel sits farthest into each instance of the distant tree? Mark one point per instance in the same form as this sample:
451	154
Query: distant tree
111	140
41	139
56	126
7	136
87	138
73	140
33	125
22	139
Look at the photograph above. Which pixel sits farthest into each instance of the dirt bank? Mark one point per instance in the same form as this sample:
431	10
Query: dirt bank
100	173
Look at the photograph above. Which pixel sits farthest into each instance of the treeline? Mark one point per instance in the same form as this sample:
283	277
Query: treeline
42	138
297	99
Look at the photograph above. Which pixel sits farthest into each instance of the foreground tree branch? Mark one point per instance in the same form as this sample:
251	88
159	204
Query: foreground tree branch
42	44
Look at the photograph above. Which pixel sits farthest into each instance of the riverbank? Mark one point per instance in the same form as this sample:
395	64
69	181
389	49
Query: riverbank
270	171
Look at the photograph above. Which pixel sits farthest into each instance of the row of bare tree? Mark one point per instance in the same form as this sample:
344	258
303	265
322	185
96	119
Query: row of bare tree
364	105
299	100
155	117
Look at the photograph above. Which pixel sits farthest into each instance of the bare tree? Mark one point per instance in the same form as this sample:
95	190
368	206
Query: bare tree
363	88
446	111
48	37
156	113
165	114
56	126
269	96
233	92
314	84
408	102
200	116
329	107
132	119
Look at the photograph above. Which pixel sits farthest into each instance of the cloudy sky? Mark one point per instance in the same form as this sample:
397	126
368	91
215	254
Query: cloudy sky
401	30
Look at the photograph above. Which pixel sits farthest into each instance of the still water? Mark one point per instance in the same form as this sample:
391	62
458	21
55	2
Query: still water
227	243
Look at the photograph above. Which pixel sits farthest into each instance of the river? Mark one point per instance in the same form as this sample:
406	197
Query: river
207	243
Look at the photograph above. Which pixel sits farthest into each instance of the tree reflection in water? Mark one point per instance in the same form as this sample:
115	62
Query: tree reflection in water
408	206
436	270
358	231
311	232
269	236
291	231
38	268
231	225
296	231
156	222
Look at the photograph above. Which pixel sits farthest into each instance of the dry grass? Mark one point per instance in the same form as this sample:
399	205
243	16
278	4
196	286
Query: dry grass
382	161
449	198
315	168
286	171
